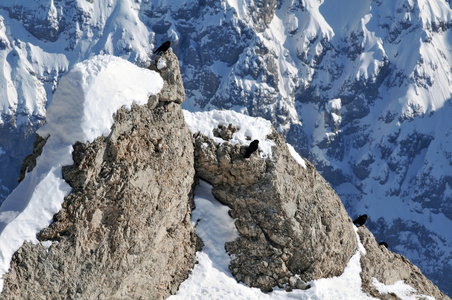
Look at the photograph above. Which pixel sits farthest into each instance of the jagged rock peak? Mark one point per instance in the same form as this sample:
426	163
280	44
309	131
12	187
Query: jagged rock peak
291	222
292	226
167	65
124	231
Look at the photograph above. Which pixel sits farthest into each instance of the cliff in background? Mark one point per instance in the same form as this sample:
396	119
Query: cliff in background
124	231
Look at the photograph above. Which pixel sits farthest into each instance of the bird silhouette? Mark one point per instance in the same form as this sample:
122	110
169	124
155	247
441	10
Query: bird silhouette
251	148
162	49
383	244
360	220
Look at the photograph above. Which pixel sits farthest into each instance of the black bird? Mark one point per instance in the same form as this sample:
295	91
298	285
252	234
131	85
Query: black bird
383	244
251	148
360	220
162	49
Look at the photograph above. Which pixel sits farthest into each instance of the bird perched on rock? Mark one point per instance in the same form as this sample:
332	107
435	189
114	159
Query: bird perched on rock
251	148
360	220
162	49
383	244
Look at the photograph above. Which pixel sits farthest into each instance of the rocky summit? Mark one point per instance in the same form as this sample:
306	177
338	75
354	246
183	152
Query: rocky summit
289	219
124	231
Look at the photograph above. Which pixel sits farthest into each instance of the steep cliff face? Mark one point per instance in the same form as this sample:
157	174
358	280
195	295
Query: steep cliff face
124	231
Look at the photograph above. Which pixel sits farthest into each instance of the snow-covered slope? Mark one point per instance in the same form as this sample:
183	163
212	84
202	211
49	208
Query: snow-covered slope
82	110
385	145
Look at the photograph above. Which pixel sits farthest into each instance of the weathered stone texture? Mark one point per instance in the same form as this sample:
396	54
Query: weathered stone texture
389	267
173	87
124	232
29	162
289	219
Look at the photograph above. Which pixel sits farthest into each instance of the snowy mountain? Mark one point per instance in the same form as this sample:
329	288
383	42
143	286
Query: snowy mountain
360	88
98	215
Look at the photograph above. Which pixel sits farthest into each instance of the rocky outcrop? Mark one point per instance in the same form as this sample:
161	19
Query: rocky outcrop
29	162
168	67
124	232
290	220
388	267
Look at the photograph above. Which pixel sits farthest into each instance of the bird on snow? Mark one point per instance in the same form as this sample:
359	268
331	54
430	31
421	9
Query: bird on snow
162	49
383	244
360	220
251	148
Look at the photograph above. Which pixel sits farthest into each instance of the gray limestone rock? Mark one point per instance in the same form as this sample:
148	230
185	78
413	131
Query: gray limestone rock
388	268
29	162
124	231
291	222
225	132
167	65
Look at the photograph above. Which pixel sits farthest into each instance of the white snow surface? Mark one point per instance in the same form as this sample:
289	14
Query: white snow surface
211	278
401	289
250	128
296	156
82	110
161	63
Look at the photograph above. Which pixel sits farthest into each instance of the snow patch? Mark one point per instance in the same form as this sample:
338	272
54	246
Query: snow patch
250	128
296	156
92	92
402	290
161	63
333	105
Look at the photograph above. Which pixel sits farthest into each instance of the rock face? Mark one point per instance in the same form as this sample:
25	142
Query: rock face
289	219
168	67
30	160
388	267
124	231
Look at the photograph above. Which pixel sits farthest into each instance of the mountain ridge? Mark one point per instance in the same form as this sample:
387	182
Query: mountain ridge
125	228
388	63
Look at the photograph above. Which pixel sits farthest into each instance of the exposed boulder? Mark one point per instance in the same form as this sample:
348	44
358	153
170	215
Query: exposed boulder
291	222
